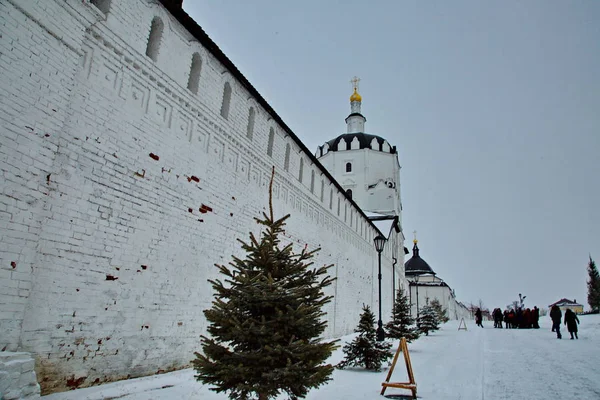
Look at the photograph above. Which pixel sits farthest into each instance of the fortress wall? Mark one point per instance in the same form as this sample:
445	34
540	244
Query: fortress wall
121	189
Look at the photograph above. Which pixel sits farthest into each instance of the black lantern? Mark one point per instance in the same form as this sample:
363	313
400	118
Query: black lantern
379	245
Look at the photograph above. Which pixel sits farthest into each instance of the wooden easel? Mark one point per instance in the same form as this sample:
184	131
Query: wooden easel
411	384
463	324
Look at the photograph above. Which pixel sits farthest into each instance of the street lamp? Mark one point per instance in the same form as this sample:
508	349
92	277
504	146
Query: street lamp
379	244
417	282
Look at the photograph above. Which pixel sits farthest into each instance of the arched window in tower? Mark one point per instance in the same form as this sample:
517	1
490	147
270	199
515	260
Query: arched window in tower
312	181
250	128
349	193
102	5
226	100
156	31
195	69
270	143
348	167
286	160
301	169
322	190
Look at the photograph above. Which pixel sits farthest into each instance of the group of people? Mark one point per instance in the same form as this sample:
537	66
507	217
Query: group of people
519	318
571	321
529	318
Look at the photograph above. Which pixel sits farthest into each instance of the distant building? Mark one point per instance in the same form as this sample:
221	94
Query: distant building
425	285
563	304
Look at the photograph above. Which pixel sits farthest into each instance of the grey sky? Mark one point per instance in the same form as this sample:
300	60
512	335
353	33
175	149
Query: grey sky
494	109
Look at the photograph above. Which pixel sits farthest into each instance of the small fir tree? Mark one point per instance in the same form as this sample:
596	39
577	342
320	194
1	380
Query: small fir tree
427	321
593	285
439	311
364	350
402	323
266	321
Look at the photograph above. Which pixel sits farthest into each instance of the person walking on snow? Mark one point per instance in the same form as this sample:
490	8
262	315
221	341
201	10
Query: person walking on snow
571	322
479	318
536	317
556	316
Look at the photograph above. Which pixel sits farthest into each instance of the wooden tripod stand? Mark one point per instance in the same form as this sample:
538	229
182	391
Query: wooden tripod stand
411	384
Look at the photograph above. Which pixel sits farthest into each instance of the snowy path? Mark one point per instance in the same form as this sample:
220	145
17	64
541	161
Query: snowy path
479	364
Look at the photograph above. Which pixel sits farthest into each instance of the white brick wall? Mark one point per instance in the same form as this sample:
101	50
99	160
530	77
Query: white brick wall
108	166
17	377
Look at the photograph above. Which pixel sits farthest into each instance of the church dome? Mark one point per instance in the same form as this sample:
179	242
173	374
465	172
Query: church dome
416	265
355	96
365	141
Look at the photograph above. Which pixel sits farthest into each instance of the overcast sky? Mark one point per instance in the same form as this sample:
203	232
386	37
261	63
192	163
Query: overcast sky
494	109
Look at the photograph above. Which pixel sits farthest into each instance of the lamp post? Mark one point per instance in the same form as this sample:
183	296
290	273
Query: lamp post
379	244
417	282
394	281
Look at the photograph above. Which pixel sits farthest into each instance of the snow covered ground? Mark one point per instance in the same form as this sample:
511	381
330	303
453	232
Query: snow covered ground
477	364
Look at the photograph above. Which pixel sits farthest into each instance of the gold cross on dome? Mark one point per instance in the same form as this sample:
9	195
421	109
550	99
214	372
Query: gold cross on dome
354	81
415	237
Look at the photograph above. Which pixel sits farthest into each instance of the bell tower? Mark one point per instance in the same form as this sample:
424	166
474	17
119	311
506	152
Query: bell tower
365	165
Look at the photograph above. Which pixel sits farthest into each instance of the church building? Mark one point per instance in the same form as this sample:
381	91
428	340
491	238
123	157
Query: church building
368	169
426	286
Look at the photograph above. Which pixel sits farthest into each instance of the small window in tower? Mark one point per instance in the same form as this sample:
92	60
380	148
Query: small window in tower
195	69
156	31
348	167
250	128
349	193
270	143
322	190
226	100
286	161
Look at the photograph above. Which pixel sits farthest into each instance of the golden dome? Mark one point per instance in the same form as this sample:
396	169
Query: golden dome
355	96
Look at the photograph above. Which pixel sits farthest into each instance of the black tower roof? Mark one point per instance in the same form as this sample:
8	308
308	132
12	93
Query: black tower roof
416	265
343	141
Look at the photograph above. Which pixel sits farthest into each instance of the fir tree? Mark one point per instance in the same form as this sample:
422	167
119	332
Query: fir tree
364	350
593	285
439	311
266	321
402	322
427	321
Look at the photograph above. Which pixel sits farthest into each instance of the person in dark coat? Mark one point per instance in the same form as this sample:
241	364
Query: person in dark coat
498	318
536	317
571	322
519	318
479	318
512	318
527	318
556	316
